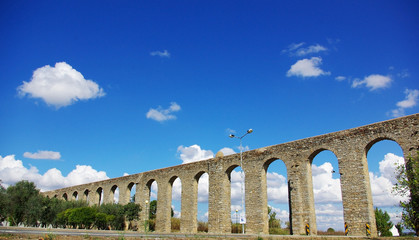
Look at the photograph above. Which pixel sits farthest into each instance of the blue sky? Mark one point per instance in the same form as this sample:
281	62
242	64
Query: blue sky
127	87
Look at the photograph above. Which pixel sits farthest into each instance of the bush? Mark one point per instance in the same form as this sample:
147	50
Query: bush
236	228
82	217
279	231
335	233
202	226
175	224
152	225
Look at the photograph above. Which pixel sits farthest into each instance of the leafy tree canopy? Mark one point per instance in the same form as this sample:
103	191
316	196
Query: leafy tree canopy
408	186
383	222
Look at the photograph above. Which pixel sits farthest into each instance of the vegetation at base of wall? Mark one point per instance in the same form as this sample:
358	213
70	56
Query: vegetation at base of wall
202	226
22	203
327	233
175	224
152	225
275	224
383	222
407	185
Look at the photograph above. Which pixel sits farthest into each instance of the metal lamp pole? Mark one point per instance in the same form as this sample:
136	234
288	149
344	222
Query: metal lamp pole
242	175
146	217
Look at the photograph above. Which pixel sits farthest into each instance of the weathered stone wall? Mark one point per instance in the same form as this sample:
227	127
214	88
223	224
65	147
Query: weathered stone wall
350	147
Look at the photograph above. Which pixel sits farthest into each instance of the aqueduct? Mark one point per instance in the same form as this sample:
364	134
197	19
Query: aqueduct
350	147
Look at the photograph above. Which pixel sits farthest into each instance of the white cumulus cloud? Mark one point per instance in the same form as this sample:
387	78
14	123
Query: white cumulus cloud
326	188
43	155
382	183
307	68
193	153
60	86
12	170
410	101
227	151
373	82
161	114
163	54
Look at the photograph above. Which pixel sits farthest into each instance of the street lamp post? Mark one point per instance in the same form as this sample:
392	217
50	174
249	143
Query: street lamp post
146	216
242	174
237	221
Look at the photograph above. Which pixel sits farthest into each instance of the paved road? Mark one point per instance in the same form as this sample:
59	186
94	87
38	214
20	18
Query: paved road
96	233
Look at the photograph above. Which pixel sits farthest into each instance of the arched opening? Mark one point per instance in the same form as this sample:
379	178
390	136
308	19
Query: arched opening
132	189
327	193
65	197
278	197
114	194
151	204
99	196
176	185
237	199
75	196
383	157
86	195
202	213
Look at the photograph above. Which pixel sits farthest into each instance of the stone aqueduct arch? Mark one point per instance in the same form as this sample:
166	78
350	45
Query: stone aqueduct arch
350	147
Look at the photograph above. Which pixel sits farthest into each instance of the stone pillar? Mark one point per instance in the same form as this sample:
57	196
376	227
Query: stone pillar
296	206
219	199
189	208
108	195
124	195
164	200
93	198
356	191
142	195
308	214
256	199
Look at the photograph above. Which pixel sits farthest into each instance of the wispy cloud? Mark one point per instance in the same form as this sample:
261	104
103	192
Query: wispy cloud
310	49
164	54
297	49
411	100
307	68
161	114
373	82
60	86
43	155
340	78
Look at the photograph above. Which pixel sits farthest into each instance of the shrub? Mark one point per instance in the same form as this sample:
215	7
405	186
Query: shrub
202	226
175	224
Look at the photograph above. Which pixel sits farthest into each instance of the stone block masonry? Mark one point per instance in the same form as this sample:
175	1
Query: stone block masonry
350	147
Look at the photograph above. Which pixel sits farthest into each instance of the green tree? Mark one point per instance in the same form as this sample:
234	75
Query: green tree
4	203
53	206
274	223
132	211
116	210
153	209
103	220
383	222
399	227
408	186
24	203
83	217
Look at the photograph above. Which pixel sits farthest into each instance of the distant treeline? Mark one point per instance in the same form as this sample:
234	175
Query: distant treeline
22	203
